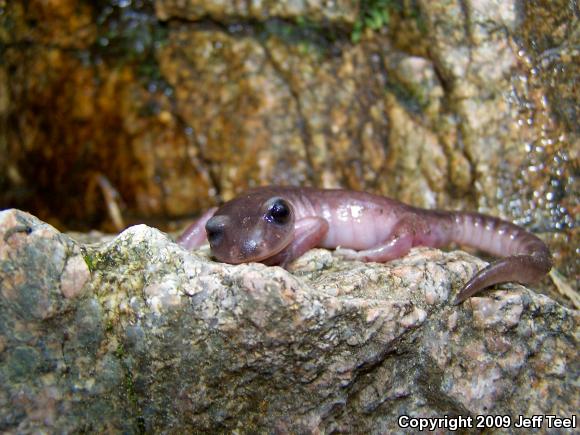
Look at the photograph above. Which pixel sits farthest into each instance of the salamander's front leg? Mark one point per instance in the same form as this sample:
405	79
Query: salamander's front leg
308	233
396	247
194	235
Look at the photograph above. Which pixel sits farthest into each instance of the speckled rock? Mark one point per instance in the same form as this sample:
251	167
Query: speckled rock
181	104
142	336
336	12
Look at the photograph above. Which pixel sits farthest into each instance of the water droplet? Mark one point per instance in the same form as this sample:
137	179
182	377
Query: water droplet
139	46
235	28
152	87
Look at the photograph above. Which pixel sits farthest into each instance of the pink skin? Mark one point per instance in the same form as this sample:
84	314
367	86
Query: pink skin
275	225
194	235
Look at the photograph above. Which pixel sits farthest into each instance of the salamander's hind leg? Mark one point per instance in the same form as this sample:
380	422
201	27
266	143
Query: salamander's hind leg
525	269
395	247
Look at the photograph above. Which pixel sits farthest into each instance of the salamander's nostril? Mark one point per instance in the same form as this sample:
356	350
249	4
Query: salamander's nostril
215	228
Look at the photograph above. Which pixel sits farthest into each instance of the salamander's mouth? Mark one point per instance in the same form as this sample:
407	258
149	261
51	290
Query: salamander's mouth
250	253
272	254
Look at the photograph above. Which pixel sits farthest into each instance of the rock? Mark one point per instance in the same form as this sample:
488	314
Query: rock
338	12
181	104
142	336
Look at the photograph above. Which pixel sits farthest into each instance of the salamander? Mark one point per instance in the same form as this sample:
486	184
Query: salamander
275	225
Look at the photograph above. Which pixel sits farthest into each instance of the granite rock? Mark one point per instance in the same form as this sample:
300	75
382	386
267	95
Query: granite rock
135	334
181	104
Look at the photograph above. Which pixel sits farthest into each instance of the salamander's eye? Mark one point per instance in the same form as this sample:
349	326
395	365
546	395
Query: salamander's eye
215	230
278	212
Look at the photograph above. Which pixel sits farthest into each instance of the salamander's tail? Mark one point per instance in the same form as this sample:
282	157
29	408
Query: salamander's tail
526	257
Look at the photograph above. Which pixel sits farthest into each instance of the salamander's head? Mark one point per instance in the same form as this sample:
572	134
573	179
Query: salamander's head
252	227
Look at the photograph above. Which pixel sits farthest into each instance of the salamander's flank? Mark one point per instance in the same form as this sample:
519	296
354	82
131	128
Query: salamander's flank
275	225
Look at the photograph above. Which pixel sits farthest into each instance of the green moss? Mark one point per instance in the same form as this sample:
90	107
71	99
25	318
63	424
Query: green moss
309	37
110	327
131	34
120	351
96	260
373	14
129	393
89	260
414	12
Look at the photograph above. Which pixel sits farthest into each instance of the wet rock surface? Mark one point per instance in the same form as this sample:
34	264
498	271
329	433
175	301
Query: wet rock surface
135	334
334	12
